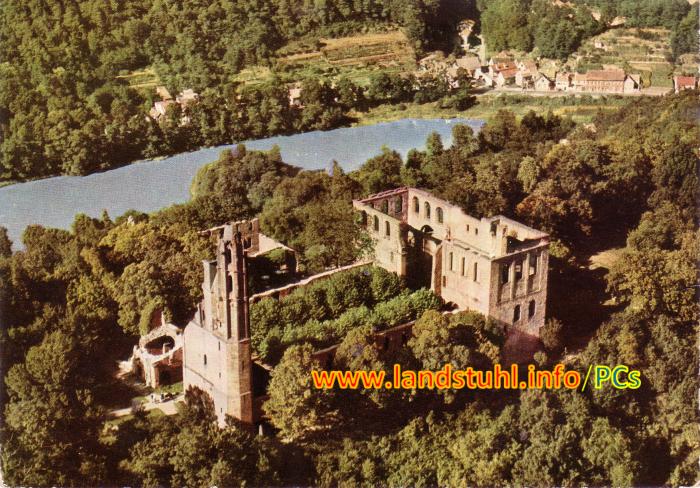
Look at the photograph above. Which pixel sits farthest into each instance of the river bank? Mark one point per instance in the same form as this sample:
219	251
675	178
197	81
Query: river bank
147	186
581	108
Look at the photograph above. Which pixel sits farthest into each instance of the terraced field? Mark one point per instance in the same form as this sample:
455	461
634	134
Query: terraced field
355	57
144	80
643	51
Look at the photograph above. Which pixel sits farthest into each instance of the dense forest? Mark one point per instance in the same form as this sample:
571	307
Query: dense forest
72	301
64	109
557	30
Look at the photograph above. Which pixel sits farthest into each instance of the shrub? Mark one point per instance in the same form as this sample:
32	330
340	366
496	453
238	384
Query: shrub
384	284
353	318
347	290
552	337
323	312
400	309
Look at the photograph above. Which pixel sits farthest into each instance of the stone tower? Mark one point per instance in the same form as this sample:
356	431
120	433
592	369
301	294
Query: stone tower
217	351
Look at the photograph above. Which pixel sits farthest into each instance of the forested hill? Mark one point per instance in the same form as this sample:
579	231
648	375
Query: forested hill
64	109
557	29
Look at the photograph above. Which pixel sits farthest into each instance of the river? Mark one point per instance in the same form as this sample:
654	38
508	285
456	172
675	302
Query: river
151	185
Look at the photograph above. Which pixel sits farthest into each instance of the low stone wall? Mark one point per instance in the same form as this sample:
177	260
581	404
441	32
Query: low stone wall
386	340
283	291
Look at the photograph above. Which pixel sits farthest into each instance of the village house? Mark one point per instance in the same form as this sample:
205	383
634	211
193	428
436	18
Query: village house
187	97
527	65
543	83
506	77
470	64
606	81
562	81
527	71
496	67
184	99
163	93
500	59
486	78
437	65
160	108
524	78
294	95
467	65
681	83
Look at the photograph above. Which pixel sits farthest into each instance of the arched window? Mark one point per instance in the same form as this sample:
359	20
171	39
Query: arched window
416	205
387	228
439	214
205	360
398	205
476	271
464	266
385	206
452	258
427	210
363	218
531	309
376	223
516	313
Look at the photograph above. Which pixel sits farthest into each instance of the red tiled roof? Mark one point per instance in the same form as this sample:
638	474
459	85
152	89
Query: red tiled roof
604	75
684	81
508	73
504	66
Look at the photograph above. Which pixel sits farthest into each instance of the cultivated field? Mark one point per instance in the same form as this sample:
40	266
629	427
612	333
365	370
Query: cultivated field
144	80
355	57
643	51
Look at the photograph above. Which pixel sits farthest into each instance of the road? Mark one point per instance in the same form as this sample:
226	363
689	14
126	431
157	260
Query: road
653	91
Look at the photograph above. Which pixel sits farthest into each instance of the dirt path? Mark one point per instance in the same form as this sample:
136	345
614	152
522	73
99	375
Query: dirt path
167	407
